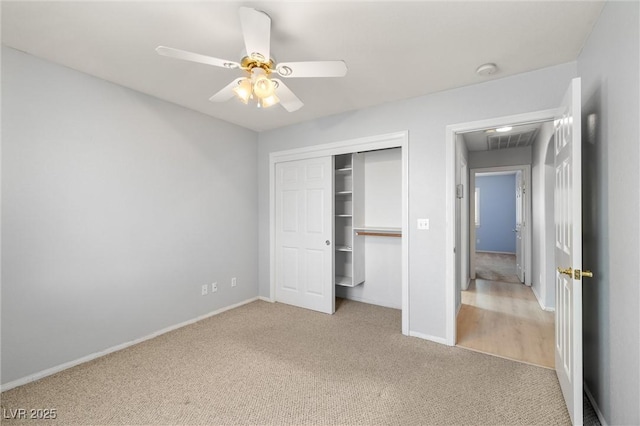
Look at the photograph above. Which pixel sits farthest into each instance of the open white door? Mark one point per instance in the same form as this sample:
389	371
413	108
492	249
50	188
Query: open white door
568	250
304	229
520	224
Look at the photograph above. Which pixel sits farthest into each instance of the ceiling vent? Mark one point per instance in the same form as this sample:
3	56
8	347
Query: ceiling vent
511	140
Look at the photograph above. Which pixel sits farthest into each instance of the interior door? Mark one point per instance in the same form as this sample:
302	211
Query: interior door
568	250
304	229
520	224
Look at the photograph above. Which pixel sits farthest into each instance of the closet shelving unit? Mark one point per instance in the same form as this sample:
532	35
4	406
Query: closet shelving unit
349	214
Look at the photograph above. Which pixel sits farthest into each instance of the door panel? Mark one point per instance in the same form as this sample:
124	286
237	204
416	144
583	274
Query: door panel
315	210
289	259
304	223
315	266
568	250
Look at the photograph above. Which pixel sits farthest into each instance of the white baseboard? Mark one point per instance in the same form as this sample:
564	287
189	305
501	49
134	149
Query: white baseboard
53	370
495	252
266	299
595	406
539	299
370	301
467	284
440	340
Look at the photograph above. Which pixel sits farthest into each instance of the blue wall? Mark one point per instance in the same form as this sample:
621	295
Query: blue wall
497	213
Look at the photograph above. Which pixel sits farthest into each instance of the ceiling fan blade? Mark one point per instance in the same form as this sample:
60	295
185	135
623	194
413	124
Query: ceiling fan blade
288	99
226	93
312	69
256	29
195	57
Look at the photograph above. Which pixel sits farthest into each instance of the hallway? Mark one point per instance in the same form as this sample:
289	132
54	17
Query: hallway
504	318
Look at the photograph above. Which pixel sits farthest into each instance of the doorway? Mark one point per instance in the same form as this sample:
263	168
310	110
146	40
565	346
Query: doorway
499	312
500	204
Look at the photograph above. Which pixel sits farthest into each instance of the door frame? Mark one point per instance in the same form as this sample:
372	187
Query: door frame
465	226
450	199
369	143
526	171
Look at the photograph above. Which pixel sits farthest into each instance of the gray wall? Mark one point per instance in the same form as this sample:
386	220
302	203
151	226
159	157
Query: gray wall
542	186
609	69
426	119
116	208
500	158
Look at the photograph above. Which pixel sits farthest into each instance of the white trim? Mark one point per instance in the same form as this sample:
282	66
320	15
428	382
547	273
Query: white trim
369	143
53	370
476	207
450	194
603	422
495	252
466	286
382	303
539	299
266	299
428	337
507	173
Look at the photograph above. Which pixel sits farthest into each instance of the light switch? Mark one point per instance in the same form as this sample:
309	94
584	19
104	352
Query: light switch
423	223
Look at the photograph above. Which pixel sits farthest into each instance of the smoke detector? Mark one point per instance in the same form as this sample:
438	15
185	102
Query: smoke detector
487	69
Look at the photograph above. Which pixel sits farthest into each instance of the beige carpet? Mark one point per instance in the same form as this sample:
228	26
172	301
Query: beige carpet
497	267
274	364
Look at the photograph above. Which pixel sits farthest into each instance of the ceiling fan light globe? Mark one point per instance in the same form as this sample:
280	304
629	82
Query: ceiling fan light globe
269	101
243	90
263	87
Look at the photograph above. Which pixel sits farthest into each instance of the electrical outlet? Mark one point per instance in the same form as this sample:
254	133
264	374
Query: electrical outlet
205	289
423	223
233	282
214	287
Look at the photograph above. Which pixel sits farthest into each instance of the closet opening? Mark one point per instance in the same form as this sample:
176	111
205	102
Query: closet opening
339	224
368	227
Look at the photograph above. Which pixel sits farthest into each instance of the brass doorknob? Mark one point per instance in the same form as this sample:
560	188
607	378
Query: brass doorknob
576	274
566	271
579	274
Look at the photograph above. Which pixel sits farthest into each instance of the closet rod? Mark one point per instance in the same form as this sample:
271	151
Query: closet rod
379	234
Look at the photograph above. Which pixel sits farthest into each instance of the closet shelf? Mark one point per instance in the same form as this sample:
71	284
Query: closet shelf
344	215
344	248
344	193
346	281
347	169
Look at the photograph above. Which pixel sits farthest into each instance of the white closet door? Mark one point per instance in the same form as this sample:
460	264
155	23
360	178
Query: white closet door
304	229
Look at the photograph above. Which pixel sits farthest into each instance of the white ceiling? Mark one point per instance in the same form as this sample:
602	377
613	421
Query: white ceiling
394	50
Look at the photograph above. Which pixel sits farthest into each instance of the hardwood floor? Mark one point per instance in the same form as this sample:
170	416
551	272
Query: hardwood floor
505	319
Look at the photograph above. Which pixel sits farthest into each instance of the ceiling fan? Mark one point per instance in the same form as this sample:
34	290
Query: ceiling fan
258	65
